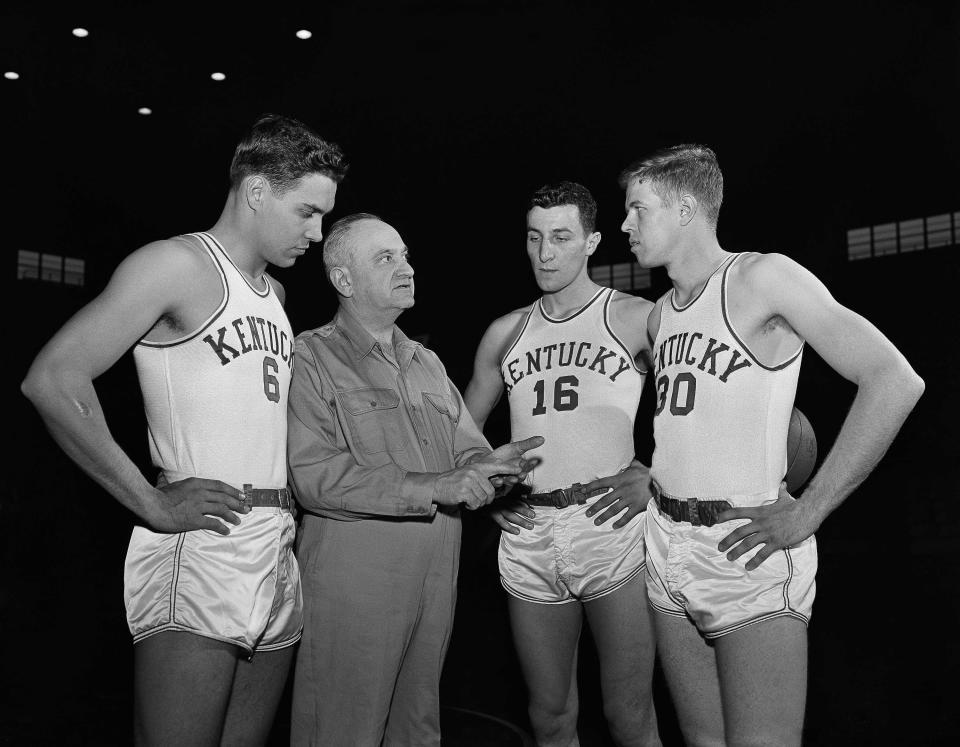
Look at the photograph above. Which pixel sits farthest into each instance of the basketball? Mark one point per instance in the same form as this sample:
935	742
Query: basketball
801	451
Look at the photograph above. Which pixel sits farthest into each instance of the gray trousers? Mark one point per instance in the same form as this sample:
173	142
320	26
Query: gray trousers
378	597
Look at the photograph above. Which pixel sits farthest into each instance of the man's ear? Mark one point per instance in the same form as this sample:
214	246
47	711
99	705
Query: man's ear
688	209
254	191
341	281
593	241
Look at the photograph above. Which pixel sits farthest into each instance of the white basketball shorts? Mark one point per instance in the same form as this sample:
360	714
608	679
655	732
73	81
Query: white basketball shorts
688	576
242	588
567	558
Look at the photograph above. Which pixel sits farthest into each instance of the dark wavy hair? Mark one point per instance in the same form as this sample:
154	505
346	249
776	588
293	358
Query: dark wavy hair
567	193
681	169
283	151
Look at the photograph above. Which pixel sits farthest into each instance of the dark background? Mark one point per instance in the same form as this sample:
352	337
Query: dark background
824	118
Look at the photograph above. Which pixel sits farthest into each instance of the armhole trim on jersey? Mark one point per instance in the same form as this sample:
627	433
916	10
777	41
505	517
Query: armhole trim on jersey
606	323
262	293
516	339
578	312
692	301
726	319
210	319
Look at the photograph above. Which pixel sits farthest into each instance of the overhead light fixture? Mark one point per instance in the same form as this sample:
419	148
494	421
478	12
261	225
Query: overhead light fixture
304	34
145	110
218	76
81	33
10	75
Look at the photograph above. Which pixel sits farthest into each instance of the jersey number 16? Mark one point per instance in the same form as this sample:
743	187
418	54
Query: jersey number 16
564	395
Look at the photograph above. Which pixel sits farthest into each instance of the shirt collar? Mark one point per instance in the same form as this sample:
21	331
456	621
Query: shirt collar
363	342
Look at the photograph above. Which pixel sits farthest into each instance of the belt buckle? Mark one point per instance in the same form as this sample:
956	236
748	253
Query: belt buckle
693	511
577	494
560	498
283	498
243	495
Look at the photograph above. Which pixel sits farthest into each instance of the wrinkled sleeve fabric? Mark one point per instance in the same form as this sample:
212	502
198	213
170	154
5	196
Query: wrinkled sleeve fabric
469	443
325	475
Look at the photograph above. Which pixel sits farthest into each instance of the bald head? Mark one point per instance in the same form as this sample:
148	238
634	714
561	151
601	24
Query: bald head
339	245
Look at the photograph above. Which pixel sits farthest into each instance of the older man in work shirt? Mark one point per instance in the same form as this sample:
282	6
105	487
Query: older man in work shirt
382	453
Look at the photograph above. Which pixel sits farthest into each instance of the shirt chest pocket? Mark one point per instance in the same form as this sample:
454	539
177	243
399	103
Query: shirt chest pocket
375	419
441	415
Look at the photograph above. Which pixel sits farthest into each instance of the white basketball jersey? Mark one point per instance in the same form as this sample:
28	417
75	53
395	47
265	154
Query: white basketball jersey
216	398
573	382
721	417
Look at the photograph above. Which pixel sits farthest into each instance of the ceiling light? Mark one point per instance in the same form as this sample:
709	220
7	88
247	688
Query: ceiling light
144	110
218	76
304	34
10	75
81	33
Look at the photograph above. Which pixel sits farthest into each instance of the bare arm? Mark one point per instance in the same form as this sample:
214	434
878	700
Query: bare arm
150	283
486	387
887	390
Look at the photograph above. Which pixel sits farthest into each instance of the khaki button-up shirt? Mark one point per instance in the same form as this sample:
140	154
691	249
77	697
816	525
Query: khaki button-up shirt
358	422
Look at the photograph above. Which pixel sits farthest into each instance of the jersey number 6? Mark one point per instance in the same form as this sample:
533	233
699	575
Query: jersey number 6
564	396
271	387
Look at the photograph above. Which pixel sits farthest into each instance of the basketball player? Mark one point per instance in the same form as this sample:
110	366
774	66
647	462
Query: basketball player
568	363
212	588
731	556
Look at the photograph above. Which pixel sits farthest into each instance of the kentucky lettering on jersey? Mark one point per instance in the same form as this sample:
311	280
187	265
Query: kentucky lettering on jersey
573	354
247	334
216	398
687	348
572	381
721	417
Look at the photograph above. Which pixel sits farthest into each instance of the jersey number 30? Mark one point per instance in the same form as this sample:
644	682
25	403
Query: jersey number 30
685	382
564	395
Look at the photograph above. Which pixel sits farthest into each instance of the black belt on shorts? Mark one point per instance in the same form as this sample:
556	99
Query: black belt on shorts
691	510
575	495
266	497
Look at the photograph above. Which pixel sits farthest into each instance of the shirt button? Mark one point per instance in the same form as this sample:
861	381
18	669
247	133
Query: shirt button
427	443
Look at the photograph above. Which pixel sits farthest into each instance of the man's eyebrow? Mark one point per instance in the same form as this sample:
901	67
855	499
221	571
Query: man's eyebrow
562	230
530	229
313	208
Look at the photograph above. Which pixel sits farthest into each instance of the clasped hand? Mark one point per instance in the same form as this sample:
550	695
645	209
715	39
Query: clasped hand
475	484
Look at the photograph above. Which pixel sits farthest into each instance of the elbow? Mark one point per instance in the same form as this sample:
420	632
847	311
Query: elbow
32	387
915	386
909	384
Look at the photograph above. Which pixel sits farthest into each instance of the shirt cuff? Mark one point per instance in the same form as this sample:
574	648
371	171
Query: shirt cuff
412	499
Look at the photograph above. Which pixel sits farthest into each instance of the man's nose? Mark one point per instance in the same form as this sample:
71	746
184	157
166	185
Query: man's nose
315	230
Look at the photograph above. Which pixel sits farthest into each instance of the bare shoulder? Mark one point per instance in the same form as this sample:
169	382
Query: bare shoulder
502	332
758	272
176	260
508	326
629	309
